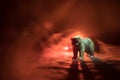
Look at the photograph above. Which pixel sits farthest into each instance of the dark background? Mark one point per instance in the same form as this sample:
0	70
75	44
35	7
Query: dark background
30	23
97	18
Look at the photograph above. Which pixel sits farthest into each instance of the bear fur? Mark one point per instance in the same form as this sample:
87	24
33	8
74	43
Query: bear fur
82	46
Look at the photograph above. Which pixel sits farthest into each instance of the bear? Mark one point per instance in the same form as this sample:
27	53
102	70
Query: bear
82	45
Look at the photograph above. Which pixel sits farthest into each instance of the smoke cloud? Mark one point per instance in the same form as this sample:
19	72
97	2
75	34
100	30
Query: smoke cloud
28	27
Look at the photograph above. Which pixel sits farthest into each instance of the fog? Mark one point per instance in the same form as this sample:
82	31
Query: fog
29	28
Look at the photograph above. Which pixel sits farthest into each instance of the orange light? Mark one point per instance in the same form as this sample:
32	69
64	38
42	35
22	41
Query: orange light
66	48
77	34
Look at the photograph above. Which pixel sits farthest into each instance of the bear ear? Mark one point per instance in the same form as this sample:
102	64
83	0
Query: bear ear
72	39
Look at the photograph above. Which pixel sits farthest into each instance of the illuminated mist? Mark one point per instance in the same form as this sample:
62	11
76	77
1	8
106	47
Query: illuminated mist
29	29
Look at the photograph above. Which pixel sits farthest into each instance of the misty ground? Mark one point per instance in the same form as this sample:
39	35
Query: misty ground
33	38
56	64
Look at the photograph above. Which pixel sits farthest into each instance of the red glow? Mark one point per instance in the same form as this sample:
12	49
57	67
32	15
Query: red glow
66	48
76	34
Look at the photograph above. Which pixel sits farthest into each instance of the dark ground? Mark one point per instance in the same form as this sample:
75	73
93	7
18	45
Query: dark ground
57	64
33	32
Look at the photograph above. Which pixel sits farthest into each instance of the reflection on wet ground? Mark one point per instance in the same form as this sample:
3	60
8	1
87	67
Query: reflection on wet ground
56	64
95	69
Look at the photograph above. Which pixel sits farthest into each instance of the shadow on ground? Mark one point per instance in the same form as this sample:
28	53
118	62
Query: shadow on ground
103	70
73	72
106	70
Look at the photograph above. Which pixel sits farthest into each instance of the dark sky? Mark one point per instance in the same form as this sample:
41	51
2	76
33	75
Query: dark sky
26	23
95	18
